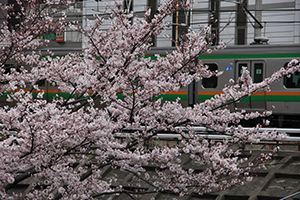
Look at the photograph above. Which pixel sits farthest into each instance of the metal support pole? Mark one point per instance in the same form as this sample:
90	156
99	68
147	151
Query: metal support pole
258	16
193	93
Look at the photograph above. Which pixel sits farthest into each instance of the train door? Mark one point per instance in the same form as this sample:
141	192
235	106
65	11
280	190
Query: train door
257	69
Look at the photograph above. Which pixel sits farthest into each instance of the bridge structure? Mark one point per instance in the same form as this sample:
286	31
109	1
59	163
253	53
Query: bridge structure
280	180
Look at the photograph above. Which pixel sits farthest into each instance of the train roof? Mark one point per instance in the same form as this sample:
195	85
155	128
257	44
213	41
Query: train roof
65	48
241	49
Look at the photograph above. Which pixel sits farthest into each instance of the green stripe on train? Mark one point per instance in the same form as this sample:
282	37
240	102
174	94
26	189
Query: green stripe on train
242	56
248	56
173	97
270	98
45	96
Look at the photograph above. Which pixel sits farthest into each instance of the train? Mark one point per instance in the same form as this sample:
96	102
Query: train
261	61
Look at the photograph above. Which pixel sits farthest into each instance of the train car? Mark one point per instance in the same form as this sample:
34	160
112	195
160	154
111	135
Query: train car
261	61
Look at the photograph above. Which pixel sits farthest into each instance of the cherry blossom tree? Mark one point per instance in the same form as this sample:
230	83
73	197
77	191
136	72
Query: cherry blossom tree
114	108
25	20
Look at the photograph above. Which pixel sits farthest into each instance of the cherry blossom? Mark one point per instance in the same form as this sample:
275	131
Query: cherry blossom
66	145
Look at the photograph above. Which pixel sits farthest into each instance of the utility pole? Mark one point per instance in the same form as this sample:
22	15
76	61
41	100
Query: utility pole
193	91
257	27
214	20
181	24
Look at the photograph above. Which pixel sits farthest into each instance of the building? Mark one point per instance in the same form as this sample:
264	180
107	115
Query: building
234	22
66	38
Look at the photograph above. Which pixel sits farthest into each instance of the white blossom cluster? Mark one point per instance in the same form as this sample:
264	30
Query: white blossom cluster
66	144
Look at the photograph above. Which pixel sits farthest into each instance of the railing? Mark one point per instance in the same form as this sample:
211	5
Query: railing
291	143
284	198
198	130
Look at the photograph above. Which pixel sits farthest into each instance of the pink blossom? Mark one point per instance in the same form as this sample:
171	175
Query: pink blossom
114	112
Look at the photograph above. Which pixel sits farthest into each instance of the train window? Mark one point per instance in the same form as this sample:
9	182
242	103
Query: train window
240	68
258	72
211	82
41	83
292	81
9	68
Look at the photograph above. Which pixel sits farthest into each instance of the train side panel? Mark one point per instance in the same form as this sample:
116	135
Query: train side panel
261	64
